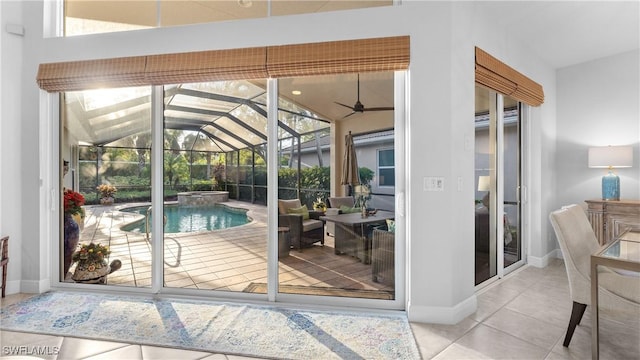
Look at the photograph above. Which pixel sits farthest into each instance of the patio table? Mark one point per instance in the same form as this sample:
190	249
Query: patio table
351	236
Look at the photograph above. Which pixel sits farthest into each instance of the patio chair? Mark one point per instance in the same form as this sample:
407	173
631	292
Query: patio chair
578	241
383	257
302	232
336	202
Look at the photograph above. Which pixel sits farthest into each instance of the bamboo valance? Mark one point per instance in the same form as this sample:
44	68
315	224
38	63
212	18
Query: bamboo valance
336	57
339	57
92	74
235	64
500	77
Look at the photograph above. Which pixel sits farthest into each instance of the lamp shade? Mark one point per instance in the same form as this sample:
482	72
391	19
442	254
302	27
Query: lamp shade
611	156
484	182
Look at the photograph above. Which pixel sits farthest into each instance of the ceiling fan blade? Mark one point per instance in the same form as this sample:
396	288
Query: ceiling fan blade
379	108
358	107
347	106
346	116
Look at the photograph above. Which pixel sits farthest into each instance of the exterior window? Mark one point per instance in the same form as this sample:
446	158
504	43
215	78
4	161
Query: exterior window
92	17
386	168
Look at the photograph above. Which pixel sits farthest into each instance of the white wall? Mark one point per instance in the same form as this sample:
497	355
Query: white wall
598	105
11	141
541	123
441	85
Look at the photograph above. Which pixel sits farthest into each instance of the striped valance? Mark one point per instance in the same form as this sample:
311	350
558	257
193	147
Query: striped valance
336	57
500	77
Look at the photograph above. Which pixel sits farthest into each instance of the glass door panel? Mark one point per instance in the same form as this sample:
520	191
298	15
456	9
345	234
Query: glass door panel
485	180
512	176
105	146
215	232
336	252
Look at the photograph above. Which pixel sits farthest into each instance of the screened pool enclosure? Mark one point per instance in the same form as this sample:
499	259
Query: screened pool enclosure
215	136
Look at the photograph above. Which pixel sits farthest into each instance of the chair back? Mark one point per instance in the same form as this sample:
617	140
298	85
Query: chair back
4	244
283	205
4	260
577	241
336	202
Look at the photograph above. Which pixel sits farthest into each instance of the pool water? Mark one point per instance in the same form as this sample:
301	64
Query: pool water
192	218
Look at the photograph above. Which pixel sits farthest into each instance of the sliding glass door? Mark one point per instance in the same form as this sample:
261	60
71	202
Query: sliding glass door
199	219
498	174
334	250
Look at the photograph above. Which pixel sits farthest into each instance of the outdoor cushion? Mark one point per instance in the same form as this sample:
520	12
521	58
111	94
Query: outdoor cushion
302	210
348	210
311	224
391	225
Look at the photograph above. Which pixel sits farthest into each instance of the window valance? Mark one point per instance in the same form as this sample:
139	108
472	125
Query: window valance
339	57
92	74
349	56
500	77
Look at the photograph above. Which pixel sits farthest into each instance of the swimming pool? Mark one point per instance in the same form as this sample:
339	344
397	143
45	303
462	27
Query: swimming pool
191	218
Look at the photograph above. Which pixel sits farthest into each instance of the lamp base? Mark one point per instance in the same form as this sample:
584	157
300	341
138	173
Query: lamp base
610	187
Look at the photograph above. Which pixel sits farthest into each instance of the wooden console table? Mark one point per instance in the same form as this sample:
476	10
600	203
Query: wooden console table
611	218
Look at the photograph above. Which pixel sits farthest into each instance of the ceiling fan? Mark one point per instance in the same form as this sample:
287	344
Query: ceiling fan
358	107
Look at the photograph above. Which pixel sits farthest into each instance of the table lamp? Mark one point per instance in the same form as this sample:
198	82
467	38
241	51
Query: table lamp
484	184
611	157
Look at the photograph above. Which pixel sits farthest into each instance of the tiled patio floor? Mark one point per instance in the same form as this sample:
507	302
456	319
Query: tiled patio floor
227	260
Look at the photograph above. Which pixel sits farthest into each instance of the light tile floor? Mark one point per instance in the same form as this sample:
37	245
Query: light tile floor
523	316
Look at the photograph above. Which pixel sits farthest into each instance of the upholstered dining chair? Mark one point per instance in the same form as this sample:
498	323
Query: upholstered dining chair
305	228
577	241
4	260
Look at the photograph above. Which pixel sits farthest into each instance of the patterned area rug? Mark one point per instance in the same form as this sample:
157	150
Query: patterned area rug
323	291
262	331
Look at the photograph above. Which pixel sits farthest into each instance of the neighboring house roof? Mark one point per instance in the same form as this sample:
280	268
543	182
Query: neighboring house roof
359	140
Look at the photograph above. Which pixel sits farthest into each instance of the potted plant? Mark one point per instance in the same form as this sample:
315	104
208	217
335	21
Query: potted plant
92	264
107	192
319	205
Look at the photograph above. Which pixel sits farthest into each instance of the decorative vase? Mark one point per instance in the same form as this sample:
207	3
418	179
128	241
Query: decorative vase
71	238
89	272
107	200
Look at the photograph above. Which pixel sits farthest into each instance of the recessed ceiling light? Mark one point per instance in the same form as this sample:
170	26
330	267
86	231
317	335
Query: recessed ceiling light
245	3
296	92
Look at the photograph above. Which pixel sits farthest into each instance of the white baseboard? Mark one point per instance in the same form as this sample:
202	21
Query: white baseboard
34	286
443	315
13	287
541	262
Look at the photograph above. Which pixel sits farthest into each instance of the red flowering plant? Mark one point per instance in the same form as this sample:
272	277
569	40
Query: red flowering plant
73	202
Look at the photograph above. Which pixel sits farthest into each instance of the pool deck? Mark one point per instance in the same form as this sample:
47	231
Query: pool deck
225	260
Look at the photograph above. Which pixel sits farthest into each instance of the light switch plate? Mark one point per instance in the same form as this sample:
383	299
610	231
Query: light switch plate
434	183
